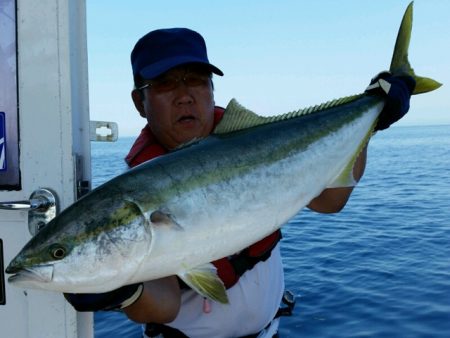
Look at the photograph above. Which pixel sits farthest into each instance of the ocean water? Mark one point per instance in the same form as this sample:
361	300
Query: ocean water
379	268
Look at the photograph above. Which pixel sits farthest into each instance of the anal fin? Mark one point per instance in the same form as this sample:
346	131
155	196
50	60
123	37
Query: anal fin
346	178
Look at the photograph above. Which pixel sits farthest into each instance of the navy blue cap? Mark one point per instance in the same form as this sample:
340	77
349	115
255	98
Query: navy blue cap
162	49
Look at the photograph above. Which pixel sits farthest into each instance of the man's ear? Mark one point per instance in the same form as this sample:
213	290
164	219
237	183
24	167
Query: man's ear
138	100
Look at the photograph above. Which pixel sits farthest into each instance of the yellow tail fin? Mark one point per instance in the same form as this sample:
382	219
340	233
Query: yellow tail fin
400	63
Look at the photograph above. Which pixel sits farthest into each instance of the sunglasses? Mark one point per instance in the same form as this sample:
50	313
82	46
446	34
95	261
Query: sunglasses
168	83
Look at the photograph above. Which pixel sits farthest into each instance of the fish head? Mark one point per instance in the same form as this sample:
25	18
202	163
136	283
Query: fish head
84	249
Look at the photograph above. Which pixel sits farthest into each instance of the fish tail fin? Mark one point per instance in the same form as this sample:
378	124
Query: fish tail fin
400	63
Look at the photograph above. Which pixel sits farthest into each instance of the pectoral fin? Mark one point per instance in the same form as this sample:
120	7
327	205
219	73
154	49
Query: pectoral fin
204	280
161	217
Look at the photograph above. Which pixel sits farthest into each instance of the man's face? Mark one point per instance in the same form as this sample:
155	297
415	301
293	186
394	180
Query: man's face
179	105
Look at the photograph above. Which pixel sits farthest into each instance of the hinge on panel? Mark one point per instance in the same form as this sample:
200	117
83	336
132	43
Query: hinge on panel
100	131
103	131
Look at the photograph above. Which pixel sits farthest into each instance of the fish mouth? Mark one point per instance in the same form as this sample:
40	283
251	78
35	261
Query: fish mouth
37	274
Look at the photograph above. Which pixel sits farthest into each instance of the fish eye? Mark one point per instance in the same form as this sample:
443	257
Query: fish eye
57	251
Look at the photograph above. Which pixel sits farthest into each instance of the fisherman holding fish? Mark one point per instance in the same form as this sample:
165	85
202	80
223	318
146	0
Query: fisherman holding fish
174	93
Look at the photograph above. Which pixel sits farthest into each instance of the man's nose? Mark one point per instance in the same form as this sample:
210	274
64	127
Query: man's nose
183	93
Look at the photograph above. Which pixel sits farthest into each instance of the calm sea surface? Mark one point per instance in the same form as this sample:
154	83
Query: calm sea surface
380	268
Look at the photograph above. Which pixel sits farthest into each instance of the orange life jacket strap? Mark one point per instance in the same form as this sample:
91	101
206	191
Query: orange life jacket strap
230	269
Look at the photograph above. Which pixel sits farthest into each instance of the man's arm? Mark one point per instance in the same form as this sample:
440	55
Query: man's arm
159	302
156	301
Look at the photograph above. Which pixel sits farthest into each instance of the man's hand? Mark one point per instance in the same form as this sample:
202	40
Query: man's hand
397	91
112	300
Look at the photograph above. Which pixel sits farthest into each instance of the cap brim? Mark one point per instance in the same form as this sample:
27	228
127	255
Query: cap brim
156	69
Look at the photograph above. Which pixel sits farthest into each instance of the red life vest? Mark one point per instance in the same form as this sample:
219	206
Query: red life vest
229	269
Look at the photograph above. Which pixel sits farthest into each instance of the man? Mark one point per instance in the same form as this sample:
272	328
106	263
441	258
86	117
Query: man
174	92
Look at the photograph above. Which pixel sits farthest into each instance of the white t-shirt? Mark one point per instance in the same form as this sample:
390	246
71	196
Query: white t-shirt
254	301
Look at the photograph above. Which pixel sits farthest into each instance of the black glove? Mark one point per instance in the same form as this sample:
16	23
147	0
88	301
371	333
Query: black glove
397	91
112	300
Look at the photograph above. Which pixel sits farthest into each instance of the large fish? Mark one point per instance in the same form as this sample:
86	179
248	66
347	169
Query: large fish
174	214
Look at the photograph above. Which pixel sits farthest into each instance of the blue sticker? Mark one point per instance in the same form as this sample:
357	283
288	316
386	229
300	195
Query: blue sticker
2	142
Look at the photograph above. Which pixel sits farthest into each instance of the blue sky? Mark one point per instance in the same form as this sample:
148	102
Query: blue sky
277	56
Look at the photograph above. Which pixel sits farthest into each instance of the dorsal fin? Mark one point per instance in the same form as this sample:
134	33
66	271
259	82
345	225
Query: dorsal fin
237	117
